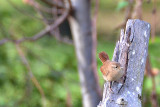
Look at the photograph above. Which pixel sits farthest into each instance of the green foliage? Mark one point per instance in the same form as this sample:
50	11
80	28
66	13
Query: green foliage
154	53
121	5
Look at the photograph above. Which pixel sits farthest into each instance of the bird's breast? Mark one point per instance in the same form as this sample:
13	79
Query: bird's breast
114	75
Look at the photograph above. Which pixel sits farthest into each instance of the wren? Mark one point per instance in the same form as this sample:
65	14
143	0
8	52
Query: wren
111	70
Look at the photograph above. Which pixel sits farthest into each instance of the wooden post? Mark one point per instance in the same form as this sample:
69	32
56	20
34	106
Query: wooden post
131	51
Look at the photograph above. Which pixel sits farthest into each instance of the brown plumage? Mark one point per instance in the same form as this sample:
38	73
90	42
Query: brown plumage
103	57
111	70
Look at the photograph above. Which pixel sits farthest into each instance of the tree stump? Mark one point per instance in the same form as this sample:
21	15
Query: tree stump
131	51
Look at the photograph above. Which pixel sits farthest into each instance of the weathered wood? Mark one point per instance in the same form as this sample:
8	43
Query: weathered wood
131	51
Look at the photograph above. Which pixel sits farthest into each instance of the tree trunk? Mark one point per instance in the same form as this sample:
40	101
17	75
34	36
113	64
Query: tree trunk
80	23
131	51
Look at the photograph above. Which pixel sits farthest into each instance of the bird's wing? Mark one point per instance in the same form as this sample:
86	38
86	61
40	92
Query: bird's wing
104	70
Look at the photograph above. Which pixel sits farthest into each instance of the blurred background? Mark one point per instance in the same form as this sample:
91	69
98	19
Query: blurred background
43	70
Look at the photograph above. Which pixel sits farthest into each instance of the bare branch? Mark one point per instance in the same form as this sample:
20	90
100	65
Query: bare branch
149	72
38	6
137	13
154	22
66	40
38	9
56	32
53	3
70	5
4	41
41	33
33	78
22	11
127	14
46	30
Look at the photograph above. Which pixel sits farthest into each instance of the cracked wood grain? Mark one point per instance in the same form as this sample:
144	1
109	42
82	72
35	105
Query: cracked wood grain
131	51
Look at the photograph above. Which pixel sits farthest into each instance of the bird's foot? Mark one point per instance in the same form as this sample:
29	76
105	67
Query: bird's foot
122	81
110	90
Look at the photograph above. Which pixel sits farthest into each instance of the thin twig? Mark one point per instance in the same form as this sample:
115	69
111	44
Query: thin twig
137	13
41	33
3	41
55	4
148	69
56	32
38	9
94	42
39	58
46	30
127	14
154	12
22	11
33	78
27	93
3	30
38	6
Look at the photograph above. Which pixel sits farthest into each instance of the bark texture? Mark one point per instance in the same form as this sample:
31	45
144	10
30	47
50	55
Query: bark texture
131	51
80	23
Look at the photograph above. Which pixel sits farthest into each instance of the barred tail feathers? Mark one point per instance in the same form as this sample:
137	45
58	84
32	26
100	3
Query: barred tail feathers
103	57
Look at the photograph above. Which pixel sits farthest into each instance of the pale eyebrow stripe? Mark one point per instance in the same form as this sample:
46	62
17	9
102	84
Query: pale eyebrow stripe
113	65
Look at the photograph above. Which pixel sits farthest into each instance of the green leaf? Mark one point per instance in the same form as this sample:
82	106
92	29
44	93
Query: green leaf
121	5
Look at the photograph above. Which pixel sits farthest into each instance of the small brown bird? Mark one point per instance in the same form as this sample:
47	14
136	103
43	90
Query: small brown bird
111	70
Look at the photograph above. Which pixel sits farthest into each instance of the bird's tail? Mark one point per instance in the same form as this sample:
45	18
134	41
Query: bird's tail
103	57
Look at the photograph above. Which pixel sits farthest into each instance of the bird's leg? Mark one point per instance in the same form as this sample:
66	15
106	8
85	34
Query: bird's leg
123	81
110	85
124	78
